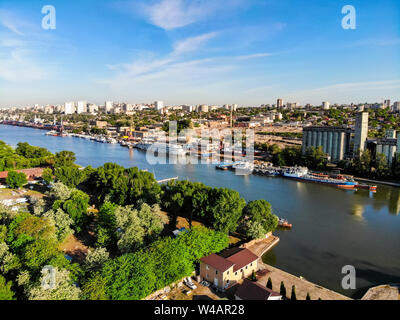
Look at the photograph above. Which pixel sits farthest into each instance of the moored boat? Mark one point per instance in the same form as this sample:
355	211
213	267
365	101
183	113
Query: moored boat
284	224
302	174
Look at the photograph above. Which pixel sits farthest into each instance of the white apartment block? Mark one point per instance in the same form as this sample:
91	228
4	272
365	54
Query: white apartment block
69	108
82	107
159	105
109	105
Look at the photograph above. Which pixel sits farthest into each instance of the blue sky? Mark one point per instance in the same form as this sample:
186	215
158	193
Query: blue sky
248	52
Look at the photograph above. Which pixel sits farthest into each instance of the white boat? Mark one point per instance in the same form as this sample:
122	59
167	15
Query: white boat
296	172
243	168
112	141
168	149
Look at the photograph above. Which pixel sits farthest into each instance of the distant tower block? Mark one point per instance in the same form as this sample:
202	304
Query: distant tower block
361	132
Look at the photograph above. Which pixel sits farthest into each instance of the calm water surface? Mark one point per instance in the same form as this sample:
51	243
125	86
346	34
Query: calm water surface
332	227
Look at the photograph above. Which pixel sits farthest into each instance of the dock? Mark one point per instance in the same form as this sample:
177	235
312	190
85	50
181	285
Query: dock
167	180
302	285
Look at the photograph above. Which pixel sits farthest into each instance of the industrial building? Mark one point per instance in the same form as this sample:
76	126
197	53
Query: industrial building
338	142
389	146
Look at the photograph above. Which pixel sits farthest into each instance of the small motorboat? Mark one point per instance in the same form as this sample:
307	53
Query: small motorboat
284	224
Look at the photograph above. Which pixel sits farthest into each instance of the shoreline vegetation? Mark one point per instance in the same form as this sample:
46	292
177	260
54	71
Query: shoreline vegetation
116	213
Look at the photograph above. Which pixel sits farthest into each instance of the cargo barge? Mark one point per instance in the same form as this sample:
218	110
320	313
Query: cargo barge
302	174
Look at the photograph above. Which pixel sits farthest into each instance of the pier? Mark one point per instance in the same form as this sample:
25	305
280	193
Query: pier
167	180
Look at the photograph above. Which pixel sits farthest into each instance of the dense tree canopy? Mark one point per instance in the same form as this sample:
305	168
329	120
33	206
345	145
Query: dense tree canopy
260	212
114	183
136	275
16	179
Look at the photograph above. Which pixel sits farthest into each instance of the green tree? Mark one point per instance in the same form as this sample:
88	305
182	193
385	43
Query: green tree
5	290
293	295
227	209
76	206
95	288
269	283
71	176
260	211
254	230
283	290
381	164
47	175
127	279
315	158
64	288
16	179
65	159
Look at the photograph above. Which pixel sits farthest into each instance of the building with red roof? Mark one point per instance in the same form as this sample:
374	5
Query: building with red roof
250	290
31	174
224	272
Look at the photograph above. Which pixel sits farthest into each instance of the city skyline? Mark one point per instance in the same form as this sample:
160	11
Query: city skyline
199	52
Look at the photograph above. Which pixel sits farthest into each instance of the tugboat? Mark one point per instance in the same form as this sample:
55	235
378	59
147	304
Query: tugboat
284	224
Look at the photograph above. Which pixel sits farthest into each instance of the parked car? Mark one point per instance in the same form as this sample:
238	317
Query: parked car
205	283
190	284
187	292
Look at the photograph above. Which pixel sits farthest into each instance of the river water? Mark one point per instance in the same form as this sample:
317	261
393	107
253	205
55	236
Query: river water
332	228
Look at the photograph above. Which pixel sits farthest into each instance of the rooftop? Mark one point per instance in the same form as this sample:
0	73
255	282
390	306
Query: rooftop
242	259
217	262
254	291
238	260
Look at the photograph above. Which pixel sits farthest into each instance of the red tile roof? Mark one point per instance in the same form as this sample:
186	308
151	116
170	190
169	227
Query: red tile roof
217	262
242	259
254	291
30	173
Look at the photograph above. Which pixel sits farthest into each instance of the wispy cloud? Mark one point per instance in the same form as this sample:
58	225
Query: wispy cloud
19	66
21	47
254	56
10	22
193	43
172	14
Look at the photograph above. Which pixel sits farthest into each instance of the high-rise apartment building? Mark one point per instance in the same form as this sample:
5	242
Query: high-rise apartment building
109	106
325	105
69	108
81	107
396	106
279	103
159	105
361	132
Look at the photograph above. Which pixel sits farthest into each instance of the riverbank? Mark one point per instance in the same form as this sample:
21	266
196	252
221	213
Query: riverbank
303	287
386	183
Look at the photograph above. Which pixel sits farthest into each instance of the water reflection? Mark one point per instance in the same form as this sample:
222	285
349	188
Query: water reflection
358	210
394	201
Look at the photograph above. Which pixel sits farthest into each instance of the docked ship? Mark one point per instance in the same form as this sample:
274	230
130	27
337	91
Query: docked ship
167	149
302	174
243	168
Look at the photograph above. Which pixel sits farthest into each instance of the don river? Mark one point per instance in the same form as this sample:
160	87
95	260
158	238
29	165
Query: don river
332	228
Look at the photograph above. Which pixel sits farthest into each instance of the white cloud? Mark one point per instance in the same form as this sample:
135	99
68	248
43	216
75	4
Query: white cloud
193	43
11	22
20	67
254	56
172	14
